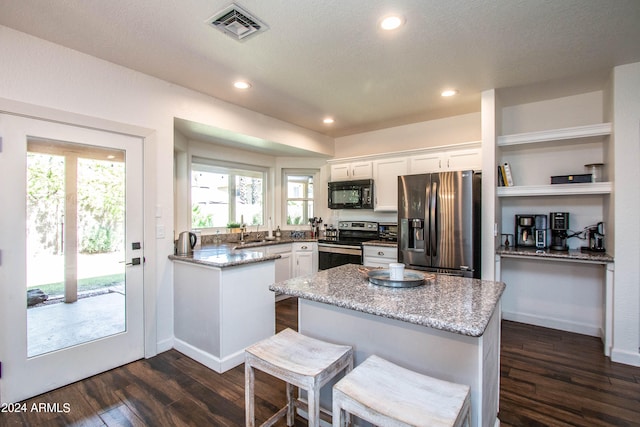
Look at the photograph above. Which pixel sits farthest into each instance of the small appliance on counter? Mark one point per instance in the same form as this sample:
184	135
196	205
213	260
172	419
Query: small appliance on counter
186	243
541	231
559	227
330	233
526	230
595	237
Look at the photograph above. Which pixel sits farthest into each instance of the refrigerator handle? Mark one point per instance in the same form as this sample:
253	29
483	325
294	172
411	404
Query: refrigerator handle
433	217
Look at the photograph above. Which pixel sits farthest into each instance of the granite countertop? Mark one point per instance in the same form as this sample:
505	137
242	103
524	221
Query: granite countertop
450	303
234	254
385	243
571	255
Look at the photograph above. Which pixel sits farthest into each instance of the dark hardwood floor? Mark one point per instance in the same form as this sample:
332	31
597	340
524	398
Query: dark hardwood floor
549	378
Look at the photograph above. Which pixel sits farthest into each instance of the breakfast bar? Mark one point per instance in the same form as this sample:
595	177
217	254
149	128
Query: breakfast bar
448	328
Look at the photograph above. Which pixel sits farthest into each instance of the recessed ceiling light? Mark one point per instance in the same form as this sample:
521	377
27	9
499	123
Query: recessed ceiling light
391	22
328	121
449	92
242	85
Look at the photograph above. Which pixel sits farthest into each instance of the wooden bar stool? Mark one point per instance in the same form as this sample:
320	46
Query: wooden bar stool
387	395
300	361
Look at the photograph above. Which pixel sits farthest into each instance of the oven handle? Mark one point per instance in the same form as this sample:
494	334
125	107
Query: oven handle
339	249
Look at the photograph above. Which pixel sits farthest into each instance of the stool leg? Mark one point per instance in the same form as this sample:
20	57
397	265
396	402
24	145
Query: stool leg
336	413
313	398
249	381
290	405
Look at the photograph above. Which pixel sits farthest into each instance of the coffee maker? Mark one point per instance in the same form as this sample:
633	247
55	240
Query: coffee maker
595	236
541	231
525	230
559	226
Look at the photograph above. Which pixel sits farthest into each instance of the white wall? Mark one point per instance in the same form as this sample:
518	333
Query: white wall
626	134
433	133
47	75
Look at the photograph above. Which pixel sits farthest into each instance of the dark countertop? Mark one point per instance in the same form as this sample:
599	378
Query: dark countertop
234	254
571	255
454	304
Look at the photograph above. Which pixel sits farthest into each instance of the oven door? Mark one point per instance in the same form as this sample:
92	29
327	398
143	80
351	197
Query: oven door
331	255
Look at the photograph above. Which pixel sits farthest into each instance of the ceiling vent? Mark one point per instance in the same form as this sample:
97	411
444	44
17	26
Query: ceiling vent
236	22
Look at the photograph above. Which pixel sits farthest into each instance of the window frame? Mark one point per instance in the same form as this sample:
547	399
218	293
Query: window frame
232	169
314	173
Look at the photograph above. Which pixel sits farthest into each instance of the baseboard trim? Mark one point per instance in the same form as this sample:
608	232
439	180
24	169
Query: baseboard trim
626	357
553	323
164	345
208	359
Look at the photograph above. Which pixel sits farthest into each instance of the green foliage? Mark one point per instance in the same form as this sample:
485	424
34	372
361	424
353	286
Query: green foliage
296	221
45	199
88	284
200	220
100	199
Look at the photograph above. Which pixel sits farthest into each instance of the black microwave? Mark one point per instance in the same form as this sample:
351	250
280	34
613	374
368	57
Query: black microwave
357	194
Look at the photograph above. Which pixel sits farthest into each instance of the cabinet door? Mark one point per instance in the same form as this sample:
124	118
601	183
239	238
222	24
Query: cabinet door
426	163
361	170
385	176
304	263
284	267
340	172
464	159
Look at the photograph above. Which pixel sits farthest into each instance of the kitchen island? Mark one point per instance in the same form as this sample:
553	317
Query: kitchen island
222	303
448	329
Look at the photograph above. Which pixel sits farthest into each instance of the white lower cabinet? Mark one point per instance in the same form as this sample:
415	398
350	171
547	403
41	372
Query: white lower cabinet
379	256
305	258
284	264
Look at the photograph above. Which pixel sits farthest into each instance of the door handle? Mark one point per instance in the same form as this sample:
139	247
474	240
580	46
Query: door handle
134	261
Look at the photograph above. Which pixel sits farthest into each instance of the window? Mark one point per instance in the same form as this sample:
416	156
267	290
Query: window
299	195
223	194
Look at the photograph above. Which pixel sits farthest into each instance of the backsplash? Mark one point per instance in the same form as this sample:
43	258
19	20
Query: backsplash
216	239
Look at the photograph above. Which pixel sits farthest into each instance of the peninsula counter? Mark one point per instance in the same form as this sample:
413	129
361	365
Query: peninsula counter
449	329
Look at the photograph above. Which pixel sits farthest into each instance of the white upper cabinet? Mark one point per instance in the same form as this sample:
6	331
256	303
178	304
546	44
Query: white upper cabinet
385	179
446	161
350	171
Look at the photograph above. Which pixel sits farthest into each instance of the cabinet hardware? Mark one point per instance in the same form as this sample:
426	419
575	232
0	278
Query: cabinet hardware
381	253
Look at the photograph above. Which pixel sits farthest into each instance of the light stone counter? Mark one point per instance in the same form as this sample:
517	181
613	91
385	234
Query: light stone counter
448	330
452	304
234	254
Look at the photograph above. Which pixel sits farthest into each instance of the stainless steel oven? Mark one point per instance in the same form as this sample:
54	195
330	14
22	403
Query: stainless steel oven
346	247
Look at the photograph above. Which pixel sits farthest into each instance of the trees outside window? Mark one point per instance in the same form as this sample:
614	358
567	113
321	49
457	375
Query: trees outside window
299	196
221	195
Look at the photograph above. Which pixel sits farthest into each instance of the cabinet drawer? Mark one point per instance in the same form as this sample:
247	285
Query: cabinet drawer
381	252
278	249
304	246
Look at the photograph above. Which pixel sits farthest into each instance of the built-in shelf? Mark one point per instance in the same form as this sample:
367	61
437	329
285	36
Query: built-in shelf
577	133
555	190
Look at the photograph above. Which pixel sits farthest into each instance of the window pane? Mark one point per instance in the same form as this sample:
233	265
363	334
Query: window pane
249	199
299	198
295	212
209	199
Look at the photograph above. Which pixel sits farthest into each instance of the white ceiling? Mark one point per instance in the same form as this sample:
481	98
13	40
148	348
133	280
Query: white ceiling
328	58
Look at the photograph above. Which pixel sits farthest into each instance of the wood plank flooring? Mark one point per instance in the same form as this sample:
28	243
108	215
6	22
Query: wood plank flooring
548	378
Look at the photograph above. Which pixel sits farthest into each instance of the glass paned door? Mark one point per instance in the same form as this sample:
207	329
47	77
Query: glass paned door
75	244
72	260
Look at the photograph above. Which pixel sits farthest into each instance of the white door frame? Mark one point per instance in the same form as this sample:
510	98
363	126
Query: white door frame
149	185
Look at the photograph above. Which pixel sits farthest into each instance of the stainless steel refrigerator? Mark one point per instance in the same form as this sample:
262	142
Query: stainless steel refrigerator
439	222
